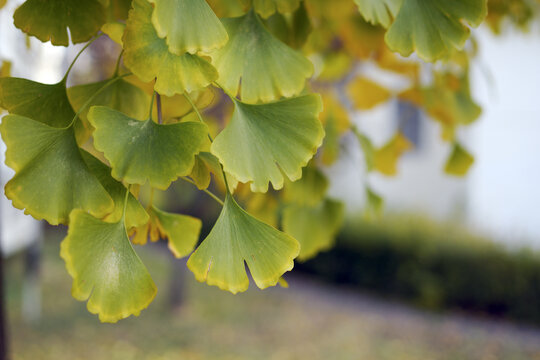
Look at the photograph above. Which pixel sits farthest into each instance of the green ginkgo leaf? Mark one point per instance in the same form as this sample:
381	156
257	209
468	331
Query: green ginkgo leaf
45	103
149	58
207	164
121	95
141	151
459	162
135	213
267	68
115	31
262	141
434	27
237	239
314	227
105	269
51	178
379	11
49	19
188	26
266	8
309	190
182	231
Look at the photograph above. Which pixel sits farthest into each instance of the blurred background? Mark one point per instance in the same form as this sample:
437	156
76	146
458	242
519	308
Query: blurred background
451	270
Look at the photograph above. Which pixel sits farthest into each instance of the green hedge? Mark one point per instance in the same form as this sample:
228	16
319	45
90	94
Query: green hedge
434	266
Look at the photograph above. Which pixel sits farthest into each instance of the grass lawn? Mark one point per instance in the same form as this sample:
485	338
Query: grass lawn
306	321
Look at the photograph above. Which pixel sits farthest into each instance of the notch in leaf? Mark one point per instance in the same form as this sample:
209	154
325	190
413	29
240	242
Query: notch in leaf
188	26
105	269
266	8
49	20
379	11
239	238
141	151
51	178
268	68
262	141
148	57
434	27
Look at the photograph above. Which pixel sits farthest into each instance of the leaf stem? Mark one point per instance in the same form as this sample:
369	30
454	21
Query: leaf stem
208	192
125	203
152	105
117	67
188	98
92	98
64	80
159	114
209	136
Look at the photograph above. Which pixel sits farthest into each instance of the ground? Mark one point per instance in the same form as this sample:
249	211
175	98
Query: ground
307	321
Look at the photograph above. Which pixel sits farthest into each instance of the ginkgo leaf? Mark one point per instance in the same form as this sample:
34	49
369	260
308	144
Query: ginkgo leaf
45	103
121	96
148	57
135	213
105	269
5	69
262	141
293	29
51	178
309	190
459	162
386	158
182	231
378	11
315	227
115	30
239	238
265	8
366	94
49	20
188	26
267	68
434	27
141	151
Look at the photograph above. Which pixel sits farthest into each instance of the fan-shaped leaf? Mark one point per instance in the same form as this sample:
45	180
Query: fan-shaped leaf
434	27
141	151
459	162
49	19
188	26
51	178
263	140
148	56
366	94
268	68
314	227
105	268
45	103
378	11
265	8
237	237
135	213
386	158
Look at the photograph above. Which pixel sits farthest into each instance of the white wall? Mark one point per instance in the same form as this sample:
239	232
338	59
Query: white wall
504	192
